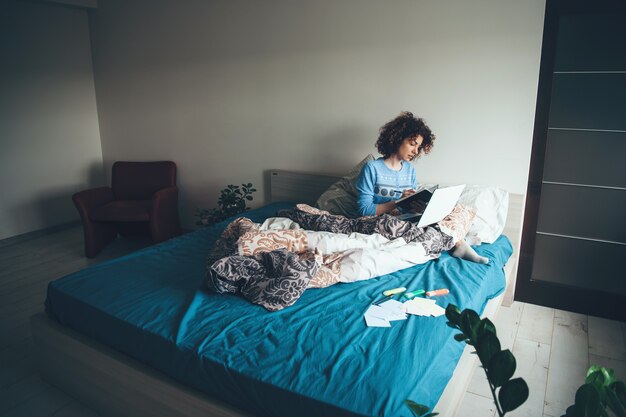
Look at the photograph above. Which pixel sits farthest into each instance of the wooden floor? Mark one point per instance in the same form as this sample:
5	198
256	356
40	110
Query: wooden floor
553	347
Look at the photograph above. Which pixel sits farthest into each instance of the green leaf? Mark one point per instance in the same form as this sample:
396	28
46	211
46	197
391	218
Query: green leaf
620	391
513	394
469	324
453	314
487	346
572	411
603	376
486	326
249	198
611	399
588	399
595	378
609	375
459	337
593	369
418	410
501	368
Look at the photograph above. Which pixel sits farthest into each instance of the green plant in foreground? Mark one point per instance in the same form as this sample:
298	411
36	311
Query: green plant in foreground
499	365
601	390
232	201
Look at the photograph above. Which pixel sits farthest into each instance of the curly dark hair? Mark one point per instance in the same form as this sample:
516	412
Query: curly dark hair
402	127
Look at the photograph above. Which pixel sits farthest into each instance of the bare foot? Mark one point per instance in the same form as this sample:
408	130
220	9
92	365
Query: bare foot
464	251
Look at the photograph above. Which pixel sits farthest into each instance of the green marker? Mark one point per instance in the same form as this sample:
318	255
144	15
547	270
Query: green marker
414	293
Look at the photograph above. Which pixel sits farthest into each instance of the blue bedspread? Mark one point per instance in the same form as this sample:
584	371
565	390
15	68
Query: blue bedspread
315	358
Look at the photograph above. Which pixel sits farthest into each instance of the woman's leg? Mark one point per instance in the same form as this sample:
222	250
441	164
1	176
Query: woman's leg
457	224
310	218
432	238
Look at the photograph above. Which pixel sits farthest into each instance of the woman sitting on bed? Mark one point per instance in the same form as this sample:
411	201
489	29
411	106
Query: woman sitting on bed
391	177
386	179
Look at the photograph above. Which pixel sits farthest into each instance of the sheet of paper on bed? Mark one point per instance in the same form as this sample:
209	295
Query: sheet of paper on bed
423	307
395	310
372	321
381	315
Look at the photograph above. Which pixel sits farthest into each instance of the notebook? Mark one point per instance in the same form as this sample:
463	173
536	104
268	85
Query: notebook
439	206
422	196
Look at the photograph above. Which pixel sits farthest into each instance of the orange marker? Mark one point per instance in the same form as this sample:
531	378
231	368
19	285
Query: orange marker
442	291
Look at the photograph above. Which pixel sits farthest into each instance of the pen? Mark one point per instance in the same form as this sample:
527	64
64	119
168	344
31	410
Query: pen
389	293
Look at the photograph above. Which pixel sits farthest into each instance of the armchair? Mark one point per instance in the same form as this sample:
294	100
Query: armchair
143	197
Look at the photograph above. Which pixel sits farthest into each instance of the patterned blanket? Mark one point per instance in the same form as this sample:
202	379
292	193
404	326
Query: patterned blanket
273	268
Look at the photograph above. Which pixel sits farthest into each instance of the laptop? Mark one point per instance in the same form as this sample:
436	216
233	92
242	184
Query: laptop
440	205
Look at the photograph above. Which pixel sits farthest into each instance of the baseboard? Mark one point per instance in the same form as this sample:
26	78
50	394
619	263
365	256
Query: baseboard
37	233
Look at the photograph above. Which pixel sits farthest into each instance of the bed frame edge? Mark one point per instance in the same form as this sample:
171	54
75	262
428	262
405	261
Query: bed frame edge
111	383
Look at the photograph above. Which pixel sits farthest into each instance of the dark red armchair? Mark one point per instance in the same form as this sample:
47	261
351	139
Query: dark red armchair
143	197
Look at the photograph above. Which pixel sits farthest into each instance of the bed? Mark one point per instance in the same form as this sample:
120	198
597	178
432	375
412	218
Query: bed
139	336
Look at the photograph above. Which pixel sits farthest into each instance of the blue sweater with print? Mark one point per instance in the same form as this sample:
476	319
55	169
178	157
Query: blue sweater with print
377	183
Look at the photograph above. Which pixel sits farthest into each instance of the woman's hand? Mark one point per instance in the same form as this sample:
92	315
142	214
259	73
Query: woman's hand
408	192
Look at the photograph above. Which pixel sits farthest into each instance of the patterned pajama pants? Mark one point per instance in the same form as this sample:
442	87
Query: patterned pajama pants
432	238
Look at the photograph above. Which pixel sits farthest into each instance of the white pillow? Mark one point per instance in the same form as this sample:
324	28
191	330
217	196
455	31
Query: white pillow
492	206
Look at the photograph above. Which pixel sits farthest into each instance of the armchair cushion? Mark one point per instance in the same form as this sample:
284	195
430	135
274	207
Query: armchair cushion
123	211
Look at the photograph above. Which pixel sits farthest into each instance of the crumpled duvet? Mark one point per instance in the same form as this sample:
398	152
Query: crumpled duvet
273	264
274	280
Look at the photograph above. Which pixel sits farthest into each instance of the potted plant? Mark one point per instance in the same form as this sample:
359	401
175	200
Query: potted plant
232	201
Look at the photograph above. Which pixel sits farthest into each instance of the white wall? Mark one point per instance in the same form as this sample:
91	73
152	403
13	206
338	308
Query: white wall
231	88
49	139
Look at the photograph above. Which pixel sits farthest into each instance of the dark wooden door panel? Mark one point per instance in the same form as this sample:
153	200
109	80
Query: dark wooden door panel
589	101
579	37
586	157
584	264
584	212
